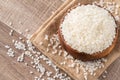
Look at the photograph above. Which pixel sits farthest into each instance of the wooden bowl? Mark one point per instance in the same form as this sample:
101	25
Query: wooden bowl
81	55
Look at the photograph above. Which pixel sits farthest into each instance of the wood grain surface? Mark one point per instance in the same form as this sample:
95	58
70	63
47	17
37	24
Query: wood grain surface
29	14
10	69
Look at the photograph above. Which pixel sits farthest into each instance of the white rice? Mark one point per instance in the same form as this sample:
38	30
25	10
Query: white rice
89	29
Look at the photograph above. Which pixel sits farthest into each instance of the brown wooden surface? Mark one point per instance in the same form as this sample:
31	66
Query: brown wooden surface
10	69
29	14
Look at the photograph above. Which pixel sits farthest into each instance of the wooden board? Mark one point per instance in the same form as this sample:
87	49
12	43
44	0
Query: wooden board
29	14
51	28
10	68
